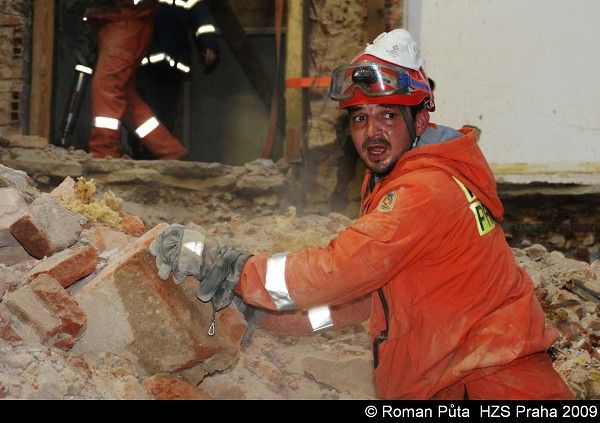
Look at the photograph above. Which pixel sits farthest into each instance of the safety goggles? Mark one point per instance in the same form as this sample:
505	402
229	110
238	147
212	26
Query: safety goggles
373	79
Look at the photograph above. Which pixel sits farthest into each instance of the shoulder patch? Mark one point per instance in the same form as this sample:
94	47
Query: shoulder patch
387	202
483	219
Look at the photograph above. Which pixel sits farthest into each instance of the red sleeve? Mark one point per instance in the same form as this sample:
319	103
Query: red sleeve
361	259
296	323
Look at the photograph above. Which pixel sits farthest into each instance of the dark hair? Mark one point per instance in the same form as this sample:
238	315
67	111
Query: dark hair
416	109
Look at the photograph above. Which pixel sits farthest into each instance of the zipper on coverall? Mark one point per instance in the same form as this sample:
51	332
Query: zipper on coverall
384	333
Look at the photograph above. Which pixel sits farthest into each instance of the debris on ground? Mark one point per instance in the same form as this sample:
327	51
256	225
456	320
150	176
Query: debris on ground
86	316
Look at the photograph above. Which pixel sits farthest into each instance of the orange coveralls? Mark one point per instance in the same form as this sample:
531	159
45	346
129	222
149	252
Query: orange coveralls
460	315
124	35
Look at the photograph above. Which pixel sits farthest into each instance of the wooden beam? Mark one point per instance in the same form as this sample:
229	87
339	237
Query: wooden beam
295	67
242	49
41	67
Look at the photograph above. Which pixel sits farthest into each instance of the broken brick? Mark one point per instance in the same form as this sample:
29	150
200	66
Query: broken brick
104	238
46	227
48	308
66	191
161	387
132	225
11	252
61	303
158	325
6	330
68	266
12	205
14	177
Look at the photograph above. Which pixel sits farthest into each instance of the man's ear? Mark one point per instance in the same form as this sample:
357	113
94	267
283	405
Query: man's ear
421	121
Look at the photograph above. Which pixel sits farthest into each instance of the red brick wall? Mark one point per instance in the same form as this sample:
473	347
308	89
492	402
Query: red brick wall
12	30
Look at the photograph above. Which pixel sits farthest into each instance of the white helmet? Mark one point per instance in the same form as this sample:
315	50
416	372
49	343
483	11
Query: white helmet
396	67
396	47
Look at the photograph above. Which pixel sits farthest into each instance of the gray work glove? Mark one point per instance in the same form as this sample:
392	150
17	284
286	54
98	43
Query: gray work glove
183	252
254	317
223	276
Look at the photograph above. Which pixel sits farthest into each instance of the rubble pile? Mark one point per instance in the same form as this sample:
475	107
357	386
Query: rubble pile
565	223
569	291
83	314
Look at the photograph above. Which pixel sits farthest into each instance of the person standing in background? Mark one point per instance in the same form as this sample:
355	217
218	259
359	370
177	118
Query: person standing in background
168	62
125	30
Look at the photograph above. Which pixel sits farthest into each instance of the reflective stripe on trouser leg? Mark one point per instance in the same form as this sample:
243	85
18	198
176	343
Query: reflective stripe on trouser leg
104	137
147	127
159	141
275	283
106	122
320	318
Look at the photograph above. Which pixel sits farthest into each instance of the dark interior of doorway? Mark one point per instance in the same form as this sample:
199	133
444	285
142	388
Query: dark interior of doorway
220	116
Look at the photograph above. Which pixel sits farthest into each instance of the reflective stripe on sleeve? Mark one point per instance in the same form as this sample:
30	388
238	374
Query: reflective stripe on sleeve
320	318
205	29
183	68
186	4
275	282
147	127
106	122
157	57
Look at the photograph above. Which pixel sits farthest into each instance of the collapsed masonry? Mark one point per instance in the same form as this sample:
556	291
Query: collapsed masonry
83	314
119	305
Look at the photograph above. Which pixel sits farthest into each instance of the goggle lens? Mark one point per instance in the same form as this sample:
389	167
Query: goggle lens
371	78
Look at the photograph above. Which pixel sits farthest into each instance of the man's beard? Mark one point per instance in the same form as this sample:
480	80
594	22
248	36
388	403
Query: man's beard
379	167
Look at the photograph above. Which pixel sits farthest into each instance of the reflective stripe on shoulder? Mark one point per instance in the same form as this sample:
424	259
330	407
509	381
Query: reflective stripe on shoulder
483	219
320	318
275	282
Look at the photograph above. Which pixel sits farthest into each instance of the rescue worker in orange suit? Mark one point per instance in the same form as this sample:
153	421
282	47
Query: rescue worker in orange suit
168	61
124	33
452	315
